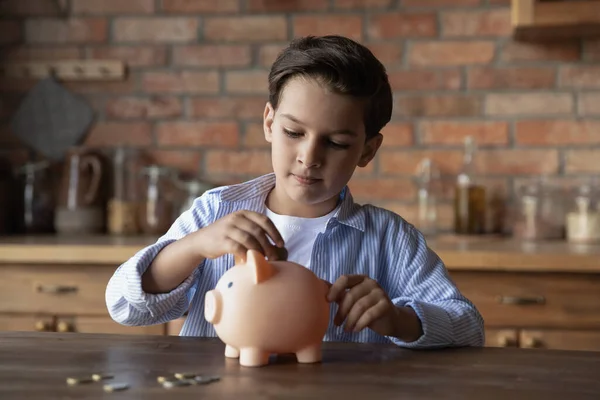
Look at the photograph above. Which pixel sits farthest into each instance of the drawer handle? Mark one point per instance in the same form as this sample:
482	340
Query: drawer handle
57	289
521	301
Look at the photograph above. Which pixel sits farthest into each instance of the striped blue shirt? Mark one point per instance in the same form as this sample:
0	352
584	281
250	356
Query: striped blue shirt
360	239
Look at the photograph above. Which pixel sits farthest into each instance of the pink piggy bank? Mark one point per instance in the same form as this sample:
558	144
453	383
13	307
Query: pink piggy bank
261	307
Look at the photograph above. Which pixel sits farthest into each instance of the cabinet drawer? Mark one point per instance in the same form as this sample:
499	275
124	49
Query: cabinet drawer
27	322
530	300
561	339
103	325
54	289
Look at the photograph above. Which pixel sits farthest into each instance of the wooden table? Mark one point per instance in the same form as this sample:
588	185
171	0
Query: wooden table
36	365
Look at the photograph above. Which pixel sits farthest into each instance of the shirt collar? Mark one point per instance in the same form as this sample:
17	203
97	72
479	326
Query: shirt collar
349	214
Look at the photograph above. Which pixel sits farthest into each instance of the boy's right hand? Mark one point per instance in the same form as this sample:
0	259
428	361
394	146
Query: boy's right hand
236	233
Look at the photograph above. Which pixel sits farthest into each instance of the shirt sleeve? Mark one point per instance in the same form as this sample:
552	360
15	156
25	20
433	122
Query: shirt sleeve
448	319
128	304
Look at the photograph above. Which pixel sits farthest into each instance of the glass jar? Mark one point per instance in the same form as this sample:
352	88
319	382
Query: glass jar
540	211
428	177
191	191
156	213
583	218
123	204
36	202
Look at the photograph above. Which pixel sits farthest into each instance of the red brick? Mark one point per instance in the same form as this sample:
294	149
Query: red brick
495	22
515	104
516	161
400	25
255	28
238	162
181	82
133	56
246	107
255	136
12	32
580	77
128	85
364	4
28	8
72	30
589	103
212	56
112	6
200	6
221	134
513	51
156	29
459	105
410	212
50	53
557	132
267	54
186	161
249	82
387	53
455	132
439	3
151	107
382	189
405	162
286	6
451	53
591	50
449	79
511	78
499	2
326	24
397	134
582	161
109	134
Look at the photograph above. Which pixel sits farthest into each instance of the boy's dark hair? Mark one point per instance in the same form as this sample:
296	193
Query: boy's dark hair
345	66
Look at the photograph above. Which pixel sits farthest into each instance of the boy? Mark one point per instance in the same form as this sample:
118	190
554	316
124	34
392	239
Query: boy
329	97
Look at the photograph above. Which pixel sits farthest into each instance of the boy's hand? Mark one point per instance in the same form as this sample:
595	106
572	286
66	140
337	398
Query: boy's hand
366	304
238	232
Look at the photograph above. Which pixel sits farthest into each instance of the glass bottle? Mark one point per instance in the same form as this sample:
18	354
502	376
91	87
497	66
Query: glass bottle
123	204
583	218
36	198
157	209
428	180
469	196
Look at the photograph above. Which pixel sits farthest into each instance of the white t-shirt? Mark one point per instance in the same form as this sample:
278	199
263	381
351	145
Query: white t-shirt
299	234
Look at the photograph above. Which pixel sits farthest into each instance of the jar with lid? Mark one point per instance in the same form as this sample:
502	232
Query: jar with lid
192	189
36	198
123	203
156	213
583	217
540	211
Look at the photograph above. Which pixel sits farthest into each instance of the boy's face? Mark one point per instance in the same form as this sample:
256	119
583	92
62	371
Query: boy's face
317	140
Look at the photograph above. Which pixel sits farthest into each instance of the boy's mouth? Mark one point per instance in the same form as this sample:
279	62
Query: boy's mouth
305	180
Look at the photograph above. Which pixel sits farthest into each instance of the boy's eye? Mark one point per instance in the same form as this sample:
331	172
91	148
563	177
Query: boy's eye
291	134
339	145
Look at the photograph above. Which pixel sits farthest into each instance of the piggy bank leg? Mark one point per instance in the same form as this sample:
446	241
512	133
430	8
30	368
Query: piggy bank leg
231	352
310	354
253	357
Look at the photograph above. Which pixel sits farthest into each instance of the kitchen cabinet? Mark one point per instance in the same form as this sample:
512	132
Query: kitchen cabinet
531	295
535	20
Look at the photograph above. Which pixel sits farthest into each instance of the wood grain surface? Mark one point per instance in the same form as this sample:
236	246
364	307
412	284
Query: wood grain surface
35	366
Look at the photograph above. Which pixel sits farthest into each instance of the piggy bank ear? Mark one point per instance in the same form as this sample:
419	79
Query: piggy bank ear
262	270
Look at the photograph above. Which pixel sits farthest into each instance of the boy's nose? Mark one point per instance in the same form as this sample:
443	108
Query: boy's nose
310	157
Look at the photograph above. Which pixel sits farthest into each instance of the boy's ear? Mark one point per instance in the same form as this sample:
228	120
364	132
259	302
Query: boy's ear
268	116
371	147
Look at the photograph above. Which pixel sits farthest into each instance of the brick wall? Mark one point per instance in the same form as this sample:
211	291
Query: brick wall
197	87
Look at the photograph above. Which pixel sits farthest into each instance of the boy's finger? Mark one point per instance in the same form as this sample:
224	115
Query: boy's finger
370	316
342	283
359	309
268	226
349	299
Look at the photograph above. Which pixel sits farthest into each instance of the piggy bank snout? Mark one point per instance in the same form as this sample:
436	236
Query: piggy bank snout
213	305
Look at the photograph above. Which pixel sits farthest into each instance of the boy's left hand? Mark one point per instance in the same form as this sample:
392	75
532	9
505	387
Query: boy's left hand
366	304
